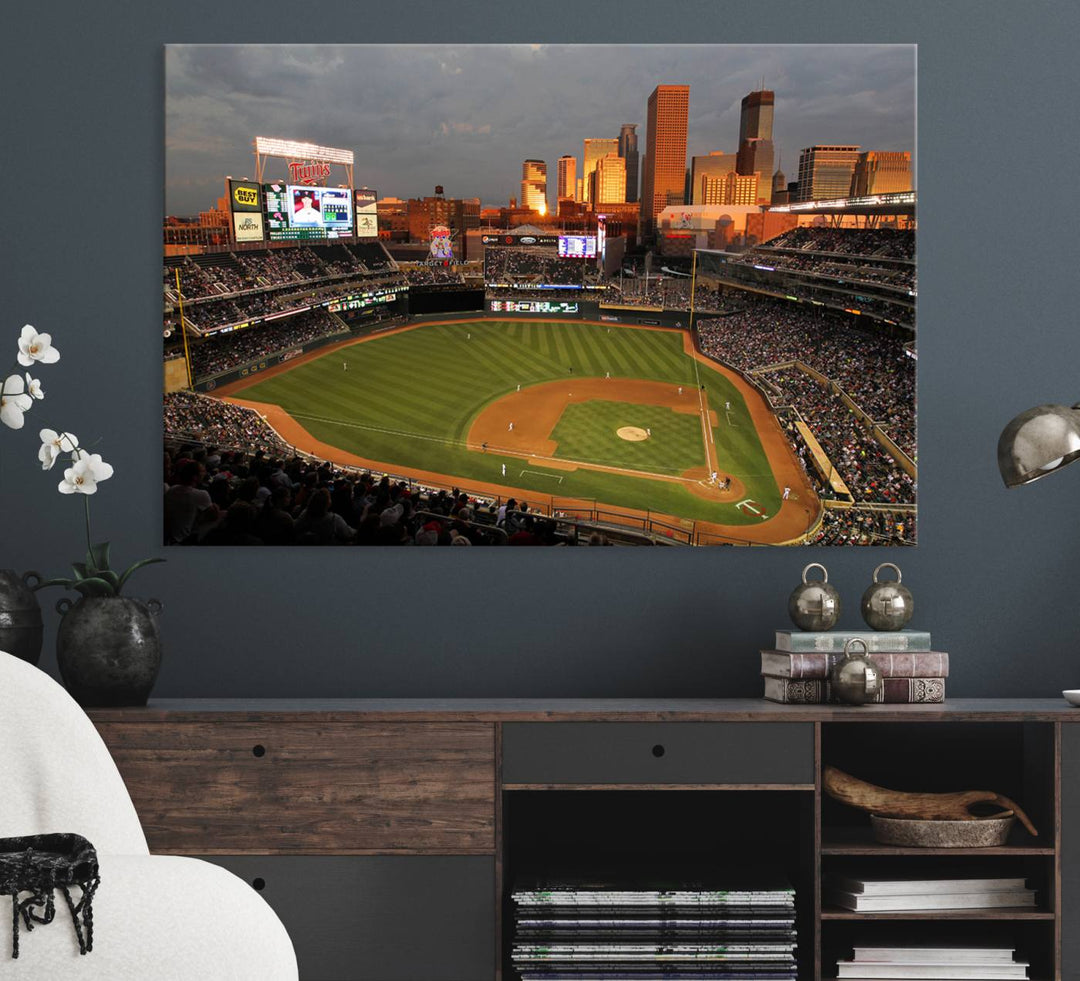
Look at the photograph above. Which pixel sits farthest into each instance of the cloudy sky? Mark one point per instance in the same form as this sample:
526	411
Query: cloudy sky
466	116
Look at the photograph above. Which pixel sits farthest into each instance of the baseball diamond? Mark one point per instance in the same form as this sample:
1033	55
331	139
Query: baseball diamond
462	402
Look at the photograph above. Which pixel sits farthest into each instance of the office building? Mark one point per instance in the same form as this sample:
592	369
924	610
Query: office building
825	171
566	178
608	180
732	188
534	186
629	152
755	140
715	164
594	150
779	188
881	172
665	152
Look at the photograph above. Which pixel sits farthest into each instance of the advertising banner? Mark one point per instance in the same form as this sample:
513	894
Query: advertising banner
247	227
367	213
245	196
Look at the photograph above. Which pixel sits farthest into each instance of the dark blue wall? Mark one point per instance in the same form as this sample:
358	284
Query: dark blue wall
995	576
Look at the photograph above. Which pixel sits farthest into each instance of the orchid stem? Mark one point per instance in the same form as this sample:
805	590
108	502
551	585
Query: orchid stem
89	547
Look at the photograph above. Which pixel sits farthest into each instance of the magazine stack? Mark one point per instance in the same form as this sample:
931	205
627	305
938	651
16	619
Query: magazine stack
582	931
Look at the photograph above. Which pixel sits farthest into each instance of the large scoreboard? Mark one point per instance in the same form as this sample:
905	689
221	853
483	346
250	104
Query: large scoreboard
297	212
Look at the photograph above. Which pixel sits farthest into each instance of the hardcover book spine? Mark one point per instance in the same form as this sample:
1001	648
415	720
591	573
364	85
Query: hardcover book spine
814	665
895	691
833	641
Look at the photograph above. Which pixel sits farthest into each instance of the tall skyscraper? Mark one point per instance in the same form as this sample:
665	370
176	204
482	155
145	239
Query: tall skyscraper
665	152
825	172
594	150
534	185
755	140
566	177
629	152
881	172
715	164
608	180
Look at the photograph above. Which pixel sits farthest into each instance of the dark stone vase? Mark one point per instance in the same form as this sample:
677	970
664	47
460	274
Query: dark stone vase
21	628
108	649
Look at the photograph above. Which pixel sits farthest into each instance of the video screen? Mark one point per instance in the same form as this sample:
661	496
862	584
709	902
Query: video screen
577	246
299	212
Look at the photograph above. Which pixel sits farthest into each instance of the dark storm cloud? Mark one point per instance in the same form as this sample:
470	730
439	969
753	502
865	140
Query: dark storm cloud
465	116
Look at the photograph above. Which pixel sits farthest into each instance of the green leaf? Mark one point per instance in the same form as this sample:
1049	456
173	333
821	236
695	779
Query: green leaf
94	587
66	583
138	565
97	559
80	570
110	577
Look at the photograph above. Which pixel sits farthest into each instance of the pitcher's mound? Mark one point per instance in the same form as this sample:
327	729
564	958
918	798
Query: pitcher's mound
632	434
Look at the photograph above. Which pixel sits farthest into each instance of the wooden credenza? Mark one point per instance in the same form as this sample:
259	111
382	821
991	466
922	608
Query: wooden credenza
387	833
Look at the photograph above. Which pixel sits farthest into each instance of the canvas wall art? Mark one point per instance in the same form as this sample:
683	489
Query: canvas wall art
544	295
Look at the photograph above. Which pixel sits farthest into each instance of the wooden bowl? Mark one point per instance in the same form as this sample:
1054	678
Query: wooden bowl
912	832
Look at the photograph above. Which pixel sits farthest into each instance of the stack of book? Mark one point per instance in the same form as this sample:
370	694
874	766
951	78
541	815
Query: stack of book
903	894
578	931
796	671
938	963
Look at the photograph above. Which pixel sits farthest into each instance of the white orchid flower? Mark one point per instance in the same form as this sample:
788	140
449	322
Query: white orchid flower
33	387
83	476
36	347
53	444
14	401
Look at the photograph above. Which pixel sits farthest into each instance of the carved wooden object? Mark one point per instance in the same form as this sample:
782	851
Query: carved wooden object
901	804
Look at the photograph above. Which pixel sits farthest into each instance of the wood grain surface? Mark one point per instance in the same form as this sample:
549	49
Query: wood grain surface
213	787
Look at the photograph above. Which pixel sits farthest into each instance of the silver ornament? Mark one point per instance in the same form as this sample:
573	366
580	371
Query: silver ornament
855	679
887	605
814	605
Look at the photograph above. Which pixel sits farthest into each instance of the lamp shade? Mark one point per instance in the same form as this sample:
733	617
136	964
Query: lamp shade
1037	442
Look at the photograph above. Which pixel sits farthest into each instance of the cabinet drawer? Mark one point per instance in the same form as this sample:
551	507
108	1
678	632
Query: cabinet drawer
229	788
693	753
381	918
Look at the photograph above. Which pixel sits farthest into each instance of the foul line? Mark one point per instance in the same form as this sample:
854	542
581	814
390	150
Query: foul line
540	473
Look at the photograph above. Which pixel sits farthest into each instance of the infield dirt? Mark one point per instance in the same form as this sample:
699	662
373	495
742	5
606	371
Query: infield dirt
786	525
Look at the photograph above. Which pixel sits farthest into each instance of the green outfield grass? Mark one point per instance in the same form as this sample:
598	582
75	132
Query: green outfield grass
410	398
589	431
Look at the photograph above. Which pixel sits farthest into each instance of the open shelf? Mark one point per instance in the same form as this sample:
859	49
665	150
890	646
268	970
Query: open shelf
1003	913
860	841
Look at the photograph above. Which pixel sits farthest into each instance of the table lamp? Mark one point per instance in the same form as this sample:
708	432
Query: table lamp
1037	442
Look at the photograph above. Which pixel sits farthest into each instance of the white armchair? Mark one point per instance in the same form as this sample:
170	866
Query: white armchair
156	918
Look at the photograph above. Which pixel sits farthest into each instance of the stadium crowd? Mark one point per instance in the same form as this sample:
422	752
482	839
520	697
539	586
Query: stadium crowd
869	472
901	277
422	275
857	526
885	243
229	480
234	349
872	368
523	266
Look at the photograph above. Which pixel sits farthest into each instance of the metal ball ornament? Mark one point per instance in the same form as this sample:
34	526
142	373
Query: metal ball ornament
855	679
814	605
887	605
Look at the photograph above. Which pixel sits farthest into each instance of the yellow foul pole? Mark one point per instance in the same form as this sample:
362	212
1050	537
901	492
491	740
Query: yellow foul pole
183	331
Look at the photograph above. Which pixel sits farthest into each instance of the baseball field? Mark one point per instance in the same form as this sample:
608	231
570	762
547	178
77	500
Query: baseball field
625	416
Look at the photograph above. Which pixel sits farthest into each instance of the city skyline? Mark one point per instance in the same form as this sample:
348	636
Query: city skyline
430	114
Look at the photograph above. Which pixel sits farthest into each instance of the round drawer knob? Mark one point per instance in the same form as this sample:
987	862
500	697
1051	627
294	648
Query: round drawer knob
258	884
258	750
658	751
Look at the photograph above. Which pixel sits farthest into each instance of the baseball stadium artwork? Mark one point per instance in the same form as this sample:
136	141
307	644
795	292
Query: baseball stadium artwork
547	295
